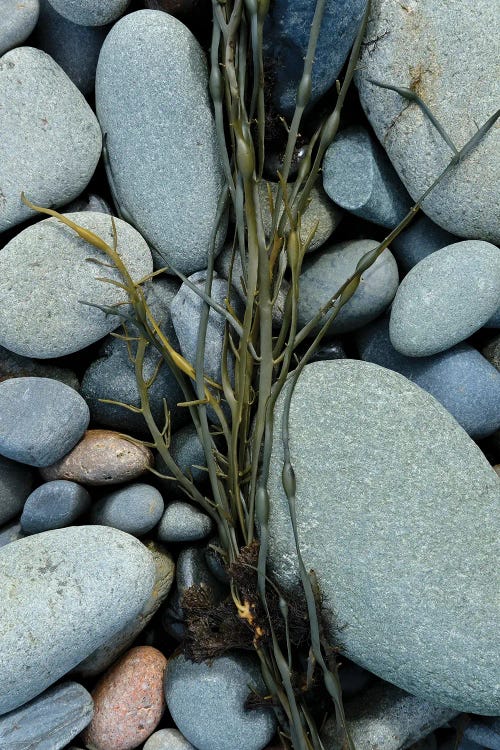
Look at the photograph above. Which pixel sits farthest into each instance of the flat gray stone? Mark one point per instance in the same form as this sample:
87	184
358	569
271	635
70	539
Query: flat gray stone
168	739
51	140
18	21
445	298
358	176
419	240
136	509
397	512
207	703
325	272
182	522
443	52
153	103
63	594
54	505
90	12
16	482
40	420
49	721
41	310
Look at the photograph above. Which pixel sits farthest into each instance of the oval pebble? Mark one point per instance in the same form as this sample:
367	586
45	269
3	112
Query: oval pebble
102	457
90	12
16	481
136	509
54	505
168	739
40	420
129	701
18	21
182	522
63	593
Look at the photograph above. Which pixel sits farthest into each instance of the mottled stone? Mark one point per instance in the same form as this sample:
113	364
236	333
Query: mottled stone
419	240
129	701
40	420
54	505
49	721
51	140
445	298
63	594
164	158
18	21
16	481
136	509
102	457
397	513
15	366
325	272
207	703
358	176
90	12
168	739
443	52
182	522
41	309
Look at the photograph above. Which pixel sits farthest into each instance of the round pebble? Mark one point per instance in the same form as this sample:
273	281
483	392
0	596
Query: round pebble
90	12
182	522
168	739
54	505
136	509
18	21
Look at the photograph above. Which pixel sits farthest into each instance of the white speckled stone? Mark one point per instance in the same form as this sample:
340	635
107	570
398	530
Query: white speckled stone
90	12
397	512
135	508
18	21
51	140
168	739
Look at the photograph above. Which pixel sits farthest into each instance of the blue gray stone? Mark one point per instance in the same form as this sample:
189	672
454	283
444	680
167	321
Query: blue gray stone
136	509
442	52
397	511
16	482
494	321
182	522
63	594
172	617
461	379
286	36
54	505
215	562
358	176
88	202
41	309
187	451
207	703
192	570
386	717
445	298
41	420
419	240
485	733
49	721
167	739
153	103
325	272
18	21
90	12
74	47
12	532
51	140
15	366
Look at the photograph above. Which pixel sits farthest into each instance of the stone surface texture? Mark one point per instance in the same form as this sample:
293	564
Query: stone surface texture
168	739
135	508
18	21
90	12
54	505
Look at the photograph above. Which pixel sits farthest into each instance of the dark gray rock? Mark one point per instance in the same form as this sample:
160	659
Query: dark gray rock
187	451
325	272
89	202
419	240
90	12
164	159
492	352
12	532
494	321
63	594
192	570
485	733
182	522
51	140
18	21
207	703
16	482
136	509
54	505
49	721
40	420
445	298
460	378
214	560
168	739
358	176
41	310
172	617
15	366
397	513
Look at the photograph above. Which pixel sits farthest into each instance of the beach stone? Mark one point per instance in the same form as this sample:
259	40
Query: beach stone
485	733
90	12
460	378
182	522
172	617
445	298
64	593
286	36
187	451
164	159
88	202
358	176
102	457
136	509
74	47
492	352
386	717
15	366
41	310
49	721
128	700
168	739
494	321
54	505
12	532
207	701
18	21
442	53
51	138
40	420
105	655
398	517
419	240
325	272
192	570
214	560
16	482
331	350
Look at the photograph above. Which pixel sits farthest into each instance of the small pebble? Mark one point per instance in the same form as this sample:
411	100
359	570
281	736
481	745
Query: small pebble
192	570
168	739
54	505
187	451
182	522
90	202
128	701
90	12
136	509
18	21
16	482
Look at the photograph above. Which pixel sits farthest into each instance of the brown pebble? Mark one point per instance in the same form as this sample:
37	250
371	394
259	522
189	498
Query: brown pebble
128	701
101	457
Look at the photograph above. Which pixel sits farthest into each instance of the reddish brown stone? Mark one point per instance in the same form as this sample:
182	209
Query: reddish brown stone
128	701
